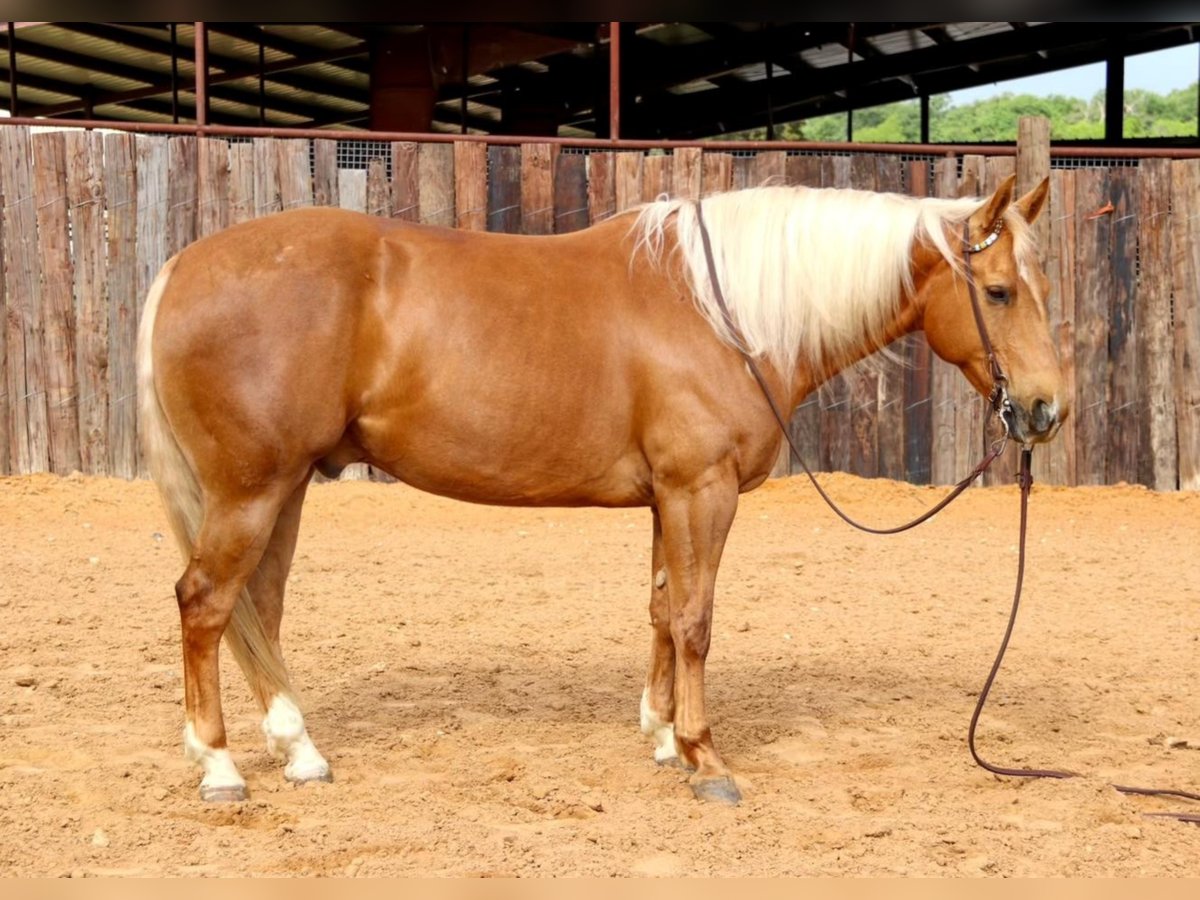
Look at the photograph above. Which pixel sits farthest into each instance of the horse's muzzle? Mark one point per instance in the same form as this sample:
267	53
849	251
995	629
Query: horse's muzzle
1037	423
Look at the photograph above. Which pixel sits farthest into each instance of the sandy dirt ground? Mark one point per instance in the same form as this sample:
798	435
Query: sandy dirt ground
473	675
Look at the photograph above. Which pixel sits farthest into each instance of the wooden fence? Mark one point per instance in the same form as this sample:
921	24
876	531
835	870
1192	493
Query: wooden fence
88	219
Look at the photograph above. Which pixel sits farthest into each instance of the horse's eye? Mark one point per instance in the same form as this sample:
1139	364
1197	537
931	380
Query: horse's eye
998	294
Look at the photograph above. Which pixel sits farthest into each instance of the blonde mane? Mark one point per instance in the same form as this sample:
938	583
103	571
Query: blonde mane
810	274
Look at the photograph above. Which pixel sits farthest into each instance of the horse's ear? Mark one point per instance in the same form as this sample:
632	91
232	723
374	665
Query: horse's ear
1031	205
984	219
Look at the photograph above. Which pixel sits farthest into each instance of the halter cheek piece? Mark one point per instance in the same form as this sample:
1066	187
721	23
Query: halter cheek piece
1001	404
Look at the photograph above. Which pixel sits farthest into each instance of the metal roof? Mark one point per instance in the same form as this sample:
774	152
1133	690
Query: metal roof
679	79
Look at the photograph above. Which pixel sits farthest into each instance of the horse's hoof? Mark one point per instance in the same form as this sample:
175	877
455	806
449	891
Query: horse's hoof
312	775
671	761
717	790
223	793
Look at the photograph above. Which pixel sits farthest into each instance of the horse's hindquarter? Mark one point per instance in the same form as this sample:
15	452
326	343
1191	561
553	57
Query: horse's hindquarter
491	368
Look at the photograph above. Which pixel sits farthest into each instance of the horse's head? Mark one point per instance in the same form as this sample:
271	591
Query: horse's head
1012	289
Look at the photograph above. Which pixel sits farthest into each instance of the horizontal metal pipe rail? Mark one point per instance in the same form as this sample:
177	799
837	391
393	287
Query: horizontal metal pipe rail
1057	150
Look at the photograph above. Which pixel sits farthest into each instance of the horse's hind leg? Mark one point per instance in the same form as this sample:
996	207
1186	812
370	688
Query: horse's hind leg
658	698
227	549
283	723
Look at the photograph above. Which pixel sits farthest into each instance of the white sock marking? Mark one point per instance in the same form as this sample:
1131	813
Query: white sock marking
662	732
219	770
288	738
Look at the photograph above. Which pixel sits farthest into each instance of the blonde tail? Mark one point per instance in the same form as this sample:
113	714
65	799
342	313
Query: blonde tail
184	502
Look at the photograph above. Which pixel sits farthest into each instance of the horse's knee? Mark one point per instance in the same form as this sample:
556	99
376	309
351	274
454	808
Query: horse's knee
692	635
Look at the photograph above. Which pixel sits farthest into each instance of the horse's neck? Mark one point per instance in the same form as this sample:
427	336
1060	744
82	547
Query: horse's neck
809	376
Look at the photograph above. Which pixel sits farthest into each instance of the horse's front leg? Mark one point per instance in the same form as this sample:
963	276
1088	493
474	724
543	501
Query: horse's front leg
658	697
695	521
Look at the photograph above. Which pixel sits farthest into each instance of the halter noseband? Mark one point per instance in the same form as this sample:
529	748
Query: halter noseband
1001	404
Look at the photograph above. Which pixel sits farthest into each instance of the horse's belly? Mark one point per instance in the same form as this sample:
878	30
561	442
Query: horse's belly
521	466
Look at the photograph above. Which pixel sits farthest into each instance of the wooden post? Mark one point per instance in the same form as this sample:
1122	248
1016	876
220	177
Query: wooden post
1185	265
120	208
437	172
266	177
57	313
152	202
295	178
943	377
602	185
504	189
537	188
570	192
25	375
1093	288
1157	456
470	185
406	181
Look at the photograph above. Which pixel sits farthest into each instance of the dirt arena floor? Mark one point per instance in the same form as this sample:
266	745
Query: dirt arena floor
473	675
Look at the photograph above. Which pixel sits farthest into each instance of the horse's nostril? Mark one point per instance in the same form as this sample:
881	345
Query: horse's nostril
1044	416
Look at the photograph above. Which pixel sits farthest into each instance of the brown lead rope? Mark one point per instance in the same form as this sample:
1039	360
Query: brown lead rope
1001	407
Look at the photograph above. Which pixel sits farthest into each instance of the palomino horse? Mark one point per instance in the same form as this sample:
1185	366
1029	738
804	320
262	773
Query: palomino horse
590	368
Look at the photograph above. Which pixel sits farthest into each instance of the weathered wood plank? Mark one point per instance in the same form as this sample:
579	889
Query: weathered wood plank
241	182
5	409
537	188
85	199
836	433
504	189
324	173
56	367
742	175
889	401
295	175
1157	455
1093	288
769	168
916	396
570	192
716	174
628	179
1061	270
1032	165
436	190
121	274
1185	265
1125	420
602	185
266	177
656	176
804	170
352	189
212	191
863	379
471	185
153	175
687	177
181	193
379	191
944	378
28	433
406	181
